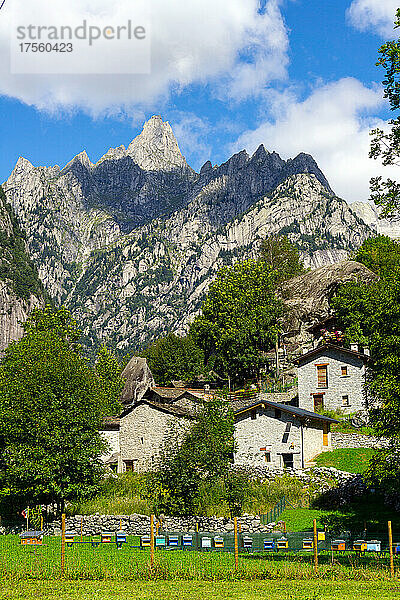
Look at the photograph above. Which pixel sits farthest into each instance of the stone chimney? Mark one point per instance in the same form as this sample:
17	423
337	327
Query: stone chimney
366	351
354	347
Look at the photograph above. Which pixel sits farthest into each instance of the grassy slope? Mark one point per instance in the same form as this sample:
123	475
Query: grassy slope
352	460
161	590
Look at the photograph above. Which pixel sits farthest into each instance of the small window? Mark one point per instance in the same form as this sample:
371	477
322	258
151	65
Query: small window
345	401
277	413
253	415
344	371
322	376
142	440
268	457
129	466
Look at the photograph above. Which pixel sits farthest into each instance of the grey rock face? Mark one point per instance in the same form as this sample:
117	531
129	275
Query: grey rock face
131	244
14	309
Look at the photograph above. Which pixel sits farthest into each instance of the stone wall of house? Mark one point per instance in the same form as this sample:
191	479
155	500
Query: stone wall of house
314	441
145	431
112	439
351	385
355	440
266	431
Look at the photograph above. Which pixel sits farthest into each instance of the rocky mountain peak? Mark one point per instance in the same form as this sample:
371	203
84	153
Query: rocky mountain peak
156	148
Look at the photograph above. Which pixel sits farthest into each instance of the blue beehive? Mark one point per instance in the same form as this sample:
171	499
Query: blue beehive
173	541
187	541
269	545
120	539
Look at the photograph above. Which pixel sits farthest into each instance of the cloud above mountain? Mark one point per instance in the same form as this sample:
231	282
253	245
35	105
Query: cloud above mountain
332	124
233	44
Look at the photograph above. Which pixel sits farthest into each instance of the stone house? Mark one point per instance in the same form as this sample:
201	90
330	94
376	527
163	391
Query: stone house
266	432
279	435
333	378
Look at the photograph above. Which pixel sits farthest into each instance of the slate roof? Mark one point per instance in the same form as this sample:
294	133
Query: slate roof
111	423
178	411
173	393
293	410
325	347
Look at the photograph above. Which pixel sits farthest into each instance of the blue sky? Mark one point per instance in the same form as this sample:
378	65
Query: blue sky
296	75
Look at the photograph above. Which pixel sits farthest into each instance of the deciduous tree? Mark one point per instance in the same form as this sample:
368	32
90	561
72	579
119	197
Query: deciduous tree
239	319
52	404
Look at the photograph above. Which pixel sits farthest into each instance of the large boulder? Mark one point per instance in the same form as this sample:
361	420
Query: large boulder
138	379
307	299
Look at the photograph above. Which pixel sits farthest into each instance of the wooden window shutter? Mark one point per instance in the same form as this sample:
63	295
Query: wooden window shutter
322	376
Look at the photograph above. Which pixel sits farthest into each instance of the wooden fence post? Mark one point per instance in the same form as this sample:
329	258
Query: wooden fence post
81	529
391	548
315	547
152	541
236	543
62	544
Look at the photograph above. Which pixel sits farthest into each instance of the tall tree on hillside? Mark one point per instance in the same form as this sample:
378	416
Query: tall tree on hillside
281	256
174	358
386	145
239	319
52	404
381	255
370	314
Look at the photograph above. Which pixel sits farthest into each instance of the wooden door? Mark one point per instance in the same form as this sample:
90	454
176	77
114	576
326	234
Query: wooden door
318	402
325	435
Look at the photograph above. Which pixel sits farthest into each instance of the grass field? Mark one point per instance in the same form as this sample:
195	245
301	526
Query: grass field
184	590
106	563
352	460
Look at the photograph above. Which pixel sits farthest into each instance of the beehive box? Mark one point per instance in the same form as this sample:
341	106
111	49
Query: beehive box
218	542
206	542
396	548
338	545
374	546
161	541
269	545
187	541
31	538
360	545
106	537
282	544
173	541
69	538
145	541
247	542
308	544
120	538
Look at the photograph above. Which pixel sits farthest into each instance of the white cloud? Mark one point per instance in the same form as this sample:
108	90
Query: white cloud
192	132
192	42
375	15
332	125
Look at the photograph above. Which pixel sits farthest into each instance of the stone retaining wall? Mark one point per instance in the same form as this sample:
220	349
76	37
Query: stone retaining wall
320	480
355	440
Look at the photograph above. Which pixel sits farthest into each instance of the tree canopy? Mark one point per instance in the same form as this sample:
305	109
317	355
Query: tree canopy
370	314
381	255
174	358
281	256
52	404
239	319
386	145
